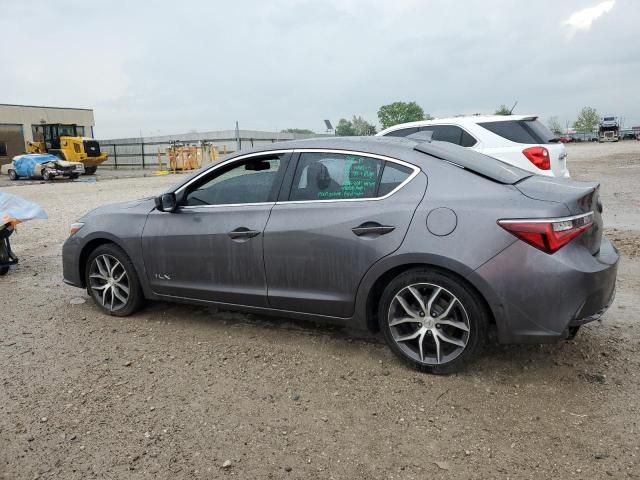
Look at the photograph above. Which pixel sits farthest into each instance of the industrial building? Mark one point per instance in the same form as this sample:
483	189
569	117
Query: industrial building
20	124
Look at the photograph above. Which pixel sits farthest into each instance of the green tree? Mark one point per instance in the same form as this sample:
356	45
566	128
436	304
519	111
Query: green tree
587	121
400	112
555	126
304	131
503	110
345	128
362	127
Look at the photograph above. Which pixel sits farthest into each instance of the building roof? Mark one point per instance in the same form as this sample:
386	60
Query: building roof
42	106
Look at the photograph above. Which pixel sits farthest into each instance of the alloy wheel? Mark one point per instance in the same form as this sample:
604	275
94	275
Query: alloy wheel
429	323
109	282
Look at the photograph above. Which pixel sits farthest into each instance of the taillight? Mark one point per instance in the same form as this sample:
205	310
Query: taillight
539	156
548	235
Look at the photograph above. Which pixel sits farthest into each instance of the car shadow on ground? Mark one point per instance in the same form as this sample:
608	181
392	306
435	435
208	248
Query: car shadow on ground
583	354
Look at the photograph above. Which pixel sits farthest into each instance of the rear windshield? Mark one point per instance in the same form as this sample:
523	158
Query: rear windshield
521	131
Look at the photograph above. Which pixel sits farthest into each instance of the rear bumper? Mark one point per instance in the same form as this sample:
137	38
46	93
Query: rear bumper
581	320
539	296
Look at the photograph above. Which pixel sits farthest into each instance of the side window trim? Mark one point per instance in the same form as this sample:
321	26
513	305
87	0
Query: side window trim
209	174
289	175
295	159
379	179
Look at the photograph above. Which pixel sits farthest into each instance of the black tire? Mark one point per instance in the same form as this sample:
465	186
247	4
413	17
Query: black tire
48	175
73	176
4	257
13	176
468	304
90	170
135	298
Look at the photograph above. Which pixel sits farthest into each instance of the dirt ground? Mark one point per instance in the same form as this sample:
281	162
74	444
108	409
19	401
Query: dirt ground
185	392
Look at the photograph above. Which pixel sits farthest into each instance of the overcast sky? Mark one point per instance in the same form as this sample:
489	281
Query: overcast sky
165	67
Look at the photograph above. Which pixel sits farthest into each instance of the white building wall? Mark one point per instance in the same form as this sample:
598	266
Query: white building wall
27	115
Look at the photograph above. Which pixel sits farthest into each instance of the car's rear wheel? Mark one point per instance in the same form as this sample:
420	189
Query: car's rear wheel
112	281
432	320
13	175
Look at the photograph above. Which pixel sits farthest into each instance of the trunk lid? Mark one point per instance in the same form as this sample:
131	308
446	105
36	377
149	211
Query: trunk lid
578	197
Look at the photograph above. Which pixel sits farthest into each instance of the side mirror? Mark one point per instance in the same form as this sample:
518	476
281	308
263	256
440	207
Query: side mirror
166	202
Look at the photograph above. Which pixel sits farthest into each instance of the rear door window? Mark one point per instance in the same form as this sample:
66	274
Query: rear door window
334	176
402	132
450	133
521	131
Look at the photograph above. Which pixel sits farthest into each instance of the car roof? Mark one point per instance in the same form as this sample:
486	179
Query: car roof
462	120
389	146
403	148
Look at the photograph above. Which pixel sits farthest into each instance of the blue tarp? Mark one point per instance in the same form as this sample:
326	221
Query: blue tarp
24	164
15	209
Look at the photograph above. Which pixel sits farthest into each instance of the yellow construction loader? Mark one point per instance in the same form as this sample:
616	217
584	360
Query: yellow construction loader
64	142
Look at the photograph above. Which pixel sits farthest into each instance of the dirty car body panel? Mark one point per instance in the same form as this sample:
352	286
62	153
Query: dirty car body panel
324	259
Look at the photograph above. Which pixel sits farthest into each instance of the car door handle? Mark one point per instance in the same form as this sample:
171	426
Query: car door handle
371	229
243	233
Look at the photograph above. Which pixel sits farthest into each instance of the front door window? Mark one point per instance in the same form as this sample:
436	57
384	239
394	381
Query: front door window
251	181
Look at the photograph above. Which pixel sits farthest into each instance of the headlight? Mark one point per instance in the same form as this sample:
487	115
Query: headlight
75	227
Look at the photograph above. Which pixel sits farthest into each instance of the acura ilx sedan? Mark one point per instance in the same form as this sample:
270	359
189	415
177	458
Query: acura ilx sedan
431	244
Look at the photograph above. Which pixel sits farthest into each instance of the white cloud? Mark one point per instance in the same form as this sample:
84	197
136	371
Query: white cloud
583	19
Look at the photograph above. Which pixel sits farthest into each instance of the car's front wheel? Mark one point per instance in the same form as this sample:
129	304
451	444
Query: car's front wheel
112	281
432	320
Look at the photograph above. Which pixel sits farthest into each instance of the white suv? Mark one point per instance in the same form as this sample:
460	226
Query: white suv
520	140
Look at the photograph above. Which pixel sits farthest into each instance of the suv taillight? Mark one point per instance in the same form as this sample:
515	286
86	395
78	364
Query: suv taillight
539	156
548	235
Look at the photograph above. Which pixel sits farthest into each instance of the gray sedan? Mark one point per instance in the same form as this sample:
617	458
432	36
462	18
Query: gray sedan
432	244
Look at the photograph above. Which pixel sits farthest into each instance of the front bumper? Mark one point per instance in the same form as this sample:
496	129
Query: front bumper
539	296
71	263
95	161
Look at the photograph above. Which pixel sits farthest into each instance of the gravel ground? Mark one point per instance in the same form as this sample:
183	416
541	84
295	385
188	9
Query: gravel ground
185	392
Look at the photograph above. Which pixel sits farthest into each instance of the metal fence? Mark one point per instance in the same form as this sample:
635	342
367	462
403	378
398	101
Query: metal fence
145	154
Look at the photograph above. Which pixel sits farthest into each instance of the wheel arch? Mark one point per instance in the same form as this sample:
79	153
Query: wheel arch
380	275
89	247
